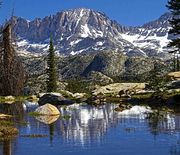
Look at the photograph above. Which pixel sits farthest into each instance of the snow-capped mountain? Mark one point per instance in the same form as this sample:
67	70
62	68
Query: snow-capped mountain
152	37
85	30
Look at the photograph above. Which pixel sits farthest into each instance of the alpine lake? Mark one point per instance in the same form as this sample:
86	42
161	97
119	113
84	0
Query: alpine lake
83	129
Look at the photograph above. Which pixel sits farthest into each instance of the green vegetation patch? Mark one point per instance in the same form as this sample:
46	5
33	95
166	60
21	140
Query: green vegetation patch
34	114
66	117
3	99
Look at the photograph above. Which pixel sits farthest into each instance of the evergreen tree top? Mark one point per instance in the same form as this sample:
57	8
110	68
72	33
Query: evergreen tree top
174	6
51	47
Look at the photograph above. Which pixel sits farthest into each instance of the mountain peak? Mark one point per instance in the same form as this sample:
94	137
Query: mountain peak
166	16
78	9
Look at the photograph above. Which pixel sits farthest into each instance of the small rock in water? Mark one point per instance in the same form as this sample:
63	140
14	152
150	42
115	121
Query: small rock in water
33	98
9	98
2	116
47	109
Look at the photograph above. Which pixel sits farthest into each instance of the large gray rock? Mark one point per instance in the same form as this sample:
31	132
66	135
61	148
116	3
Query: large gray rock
54	100
174	84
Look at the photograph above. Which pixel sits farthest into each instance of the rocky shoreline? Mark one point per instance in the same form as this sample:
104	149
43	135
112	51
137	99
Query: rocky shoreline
112	93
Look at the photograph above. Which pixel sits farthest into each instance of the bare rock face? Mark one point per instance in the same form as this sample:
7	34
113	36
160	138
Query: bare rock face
108	63
115	88
174	75
99	78
47	109
174	83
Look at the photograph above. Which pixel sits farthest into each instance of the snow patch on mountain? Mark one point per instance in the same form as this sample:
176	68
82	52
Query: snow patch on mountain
152	42
75	42
85	31
97	33
79	18
25	48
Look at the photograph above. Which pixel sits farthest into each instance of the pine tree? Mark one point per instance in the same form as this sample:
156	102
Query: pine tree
174	7
51	70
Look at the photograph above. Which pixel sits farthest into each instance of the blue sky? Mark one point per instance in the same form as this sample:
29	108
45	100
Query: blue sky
126	12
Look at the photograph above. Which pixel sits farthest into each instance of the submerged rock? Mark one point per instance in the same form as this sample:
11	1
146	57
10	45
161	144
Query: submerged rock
123	107
2	116
47	109
96	100
54	100
9	102
47	119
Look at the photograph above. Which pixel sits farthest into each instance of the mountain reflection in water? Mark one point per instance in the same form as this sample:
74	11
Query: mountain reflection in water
90	127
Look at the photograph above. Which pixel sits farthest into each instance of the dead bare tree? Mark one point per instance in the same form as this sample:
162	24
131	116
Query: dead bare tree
12	72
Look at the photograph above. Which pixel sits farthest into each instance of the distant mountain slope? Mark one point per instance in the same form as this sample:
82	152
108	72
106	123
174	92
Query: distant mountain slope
152	37
85	30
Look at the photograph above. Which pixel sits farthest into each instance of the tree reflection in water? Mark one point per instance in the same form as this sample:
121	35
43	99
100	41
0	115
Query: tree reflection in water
17	111
51	133
175	149
7	147
163	121
88	124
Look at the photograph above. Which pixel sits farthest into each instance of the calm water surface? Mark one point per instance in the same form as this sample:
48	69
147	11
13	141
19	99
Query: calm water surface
93	131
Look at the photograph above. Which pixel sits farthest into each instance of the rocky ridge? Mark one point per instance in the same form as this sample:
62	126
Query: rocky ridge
87	31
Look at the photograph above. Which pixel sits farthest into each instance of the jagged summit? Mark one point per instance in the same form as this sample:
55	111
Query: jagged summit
84	30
